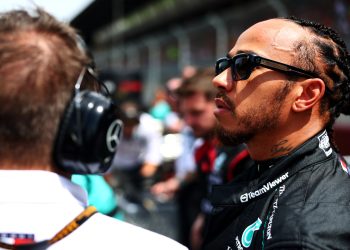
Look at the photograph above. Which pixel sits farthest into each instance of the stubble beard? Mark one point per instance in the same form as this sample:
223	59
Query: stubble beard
253	121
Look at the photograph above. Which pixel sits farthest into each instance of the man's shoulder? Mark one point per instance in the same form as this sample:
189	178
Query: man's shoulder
103	232
332	176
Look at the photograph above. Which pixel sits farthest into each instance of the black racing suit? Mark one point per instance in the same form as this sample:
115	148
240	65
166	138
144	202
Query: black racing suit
302	201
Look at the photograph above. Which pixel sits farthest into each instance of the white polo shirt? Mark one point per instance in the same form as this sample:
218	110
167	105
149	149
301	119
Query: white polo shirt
35	205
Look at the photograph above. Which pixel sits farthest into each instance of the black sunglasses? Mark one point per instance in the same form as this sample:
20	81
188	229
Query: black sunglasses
242	65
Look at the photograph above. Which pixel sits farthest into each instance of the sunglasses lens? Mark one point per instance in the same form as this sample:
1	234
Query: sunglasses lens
242	68
221	65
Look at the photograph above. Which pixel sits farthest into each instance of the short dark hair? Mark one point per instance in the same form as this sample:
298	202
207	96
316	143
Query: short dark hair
40	61
199	82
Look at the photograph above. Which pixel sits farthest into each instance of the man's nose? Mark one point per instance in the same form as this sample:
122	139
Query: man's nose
223	80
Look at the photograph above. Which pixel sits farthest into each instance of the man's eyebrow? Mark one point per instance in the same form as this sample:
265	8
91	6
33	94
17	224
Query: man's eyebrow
241	52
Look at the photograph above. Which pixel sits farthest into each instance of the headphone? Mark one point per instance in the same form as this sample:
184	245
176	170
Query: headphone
89	131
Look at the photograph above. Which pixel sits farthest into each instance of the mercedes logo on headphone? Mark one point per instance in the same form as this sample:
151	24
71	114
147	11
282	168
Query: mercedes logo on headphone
114	134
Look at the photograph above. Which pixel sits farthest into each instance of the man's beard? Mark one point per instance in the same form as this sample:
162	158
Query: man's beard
230	138
253	121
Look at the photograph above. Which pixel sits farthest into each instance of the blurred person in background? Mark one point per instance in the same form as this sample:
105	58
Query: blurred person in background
54	122
184	164
173	123
215	164
165	104
139	153
281	87
160	108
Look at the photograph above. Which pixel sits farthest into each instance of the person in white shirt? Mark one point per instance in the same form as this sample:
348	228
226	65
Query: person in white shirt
55	122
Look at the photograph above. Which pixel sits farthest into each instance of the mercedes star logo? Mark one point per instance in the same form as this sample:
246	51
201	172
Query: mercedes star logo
114	134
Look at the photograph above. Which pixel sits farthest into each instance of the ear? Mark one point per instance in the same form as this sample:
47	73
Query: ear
308	94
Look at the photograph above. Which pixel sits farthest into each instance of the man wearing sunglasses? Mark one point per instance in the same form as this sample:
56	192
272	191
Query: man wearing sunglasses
281	87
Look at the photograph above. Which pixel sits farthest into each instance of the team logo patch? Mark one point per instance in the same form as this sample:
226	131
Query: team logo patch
324	143
265	188
248	233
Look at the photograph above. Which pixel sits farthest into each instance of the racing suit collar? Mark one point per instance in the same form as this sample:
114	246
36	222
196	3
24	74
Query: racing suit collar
244	191
263	166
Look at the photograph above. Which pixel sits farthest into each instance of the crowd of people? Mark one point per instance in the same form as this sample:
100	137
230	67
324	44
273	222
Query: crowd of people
257	168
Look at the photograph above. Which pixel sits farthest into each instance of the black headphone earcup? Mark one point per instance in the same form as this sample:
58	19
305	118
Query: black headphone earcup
88	135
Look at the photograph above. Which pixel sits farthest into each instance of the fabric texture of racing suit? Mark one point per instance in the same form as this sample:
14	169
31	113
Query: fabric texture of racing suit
302	201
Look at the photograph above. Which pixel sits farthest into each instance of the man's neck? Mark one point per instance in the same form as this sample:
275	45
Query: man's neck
280	142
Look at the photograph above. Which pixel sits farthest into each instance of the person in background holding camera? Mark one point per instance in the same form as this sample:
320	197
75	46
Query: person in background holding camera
281	87
54	122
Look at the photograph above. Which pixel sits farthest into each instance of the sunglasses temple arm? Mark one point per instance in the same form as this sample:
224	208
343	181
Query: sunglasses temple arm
284	68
